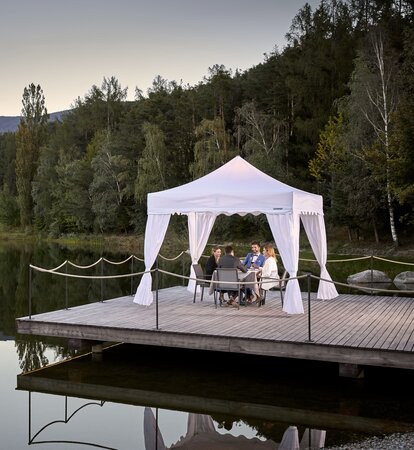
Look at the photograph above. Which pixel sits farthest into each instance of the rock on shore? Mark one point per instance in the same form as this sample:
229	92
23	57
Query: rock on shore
395	441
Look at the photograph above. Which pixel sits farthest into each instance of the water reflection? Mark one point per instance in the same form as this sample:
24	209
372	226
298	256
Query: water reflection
222	395
35	437
201	434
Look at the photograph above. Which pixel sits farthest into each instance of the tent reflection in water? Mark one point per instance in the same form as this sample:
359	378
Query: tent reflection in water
229	190
202	435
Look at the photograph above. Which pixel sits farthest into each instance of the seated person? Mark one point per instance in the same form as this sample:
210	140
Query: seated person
212	261
269	272
229	261
253	260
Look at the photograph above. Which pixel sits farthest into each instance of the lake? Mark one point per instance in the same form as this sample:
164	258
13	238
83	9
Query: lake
120	401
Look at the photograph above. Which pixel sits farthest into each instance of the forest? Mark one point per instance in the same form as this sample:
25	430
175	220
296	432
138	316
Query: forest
330	113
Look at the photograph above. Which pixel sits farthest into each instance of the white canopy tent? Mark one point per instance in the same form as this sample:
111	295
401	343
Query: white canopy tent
237	187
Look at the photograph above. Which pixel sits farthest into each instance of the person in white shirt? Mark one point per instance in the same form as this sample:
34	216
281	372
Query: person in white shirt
269	274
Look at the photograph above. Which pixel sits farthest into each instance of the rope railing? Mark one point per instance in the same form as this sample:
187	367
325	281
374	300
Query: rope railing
92	277
184	252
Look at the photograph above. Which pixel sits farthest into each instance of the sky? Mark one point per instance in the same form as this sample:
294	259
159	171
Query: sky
68	46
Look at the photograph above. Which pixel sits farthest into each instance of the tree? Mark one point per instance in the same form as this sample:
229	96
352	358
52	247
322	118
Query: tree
152	166
109	185
212	148
263	137
31	135
374	95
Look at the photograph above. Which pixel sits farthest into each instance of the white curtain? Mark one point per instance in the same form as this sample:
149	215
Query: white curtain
285	230
155	230
315	229
199	229
152	435
290	439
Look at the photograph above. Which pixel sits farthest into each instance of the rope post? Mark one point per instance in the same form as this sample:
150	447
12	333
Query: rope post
372	273
102	286
309	308
183	269
156	293
66	286
132	278
30	292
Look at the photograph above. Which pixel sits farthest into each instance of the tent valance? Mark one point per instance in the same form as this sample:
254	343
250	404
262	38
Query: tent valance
239	188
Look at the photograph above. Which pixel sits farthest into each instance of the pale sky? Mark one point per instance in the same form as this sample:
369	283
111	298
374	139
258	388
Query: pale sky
67	46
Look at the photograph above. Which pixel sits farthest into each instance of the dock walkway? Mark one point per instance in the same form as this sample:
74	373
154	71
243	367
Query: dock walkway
354	329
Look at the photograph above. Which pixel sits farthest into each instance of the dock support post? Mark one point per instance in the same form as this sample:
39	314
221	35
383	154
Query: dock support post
97	352
309	309
351	370
30	292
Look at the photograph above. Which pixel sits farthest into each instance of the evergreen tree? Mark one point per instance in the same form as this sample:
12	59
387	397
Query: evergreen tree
31	135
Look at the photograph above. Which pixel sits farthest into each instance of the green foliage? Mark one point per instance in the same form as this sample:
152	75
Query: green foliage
152	167
30	136
304	115
212	148
9	210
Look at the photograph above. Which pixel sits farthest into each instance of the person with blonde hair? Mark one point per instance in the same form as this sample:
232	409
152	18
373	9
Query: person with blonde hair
269	274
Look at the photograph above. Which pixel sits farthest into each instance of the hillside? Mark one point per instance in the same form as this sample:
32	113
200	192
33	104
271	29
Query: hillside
10	123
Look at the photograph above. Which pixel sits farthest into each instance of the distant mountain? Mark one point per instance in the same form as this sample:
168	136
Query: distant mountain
10	123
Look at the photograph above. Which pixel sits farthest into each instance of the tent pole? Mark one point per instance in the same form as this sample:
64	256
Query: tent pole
156	293
309	308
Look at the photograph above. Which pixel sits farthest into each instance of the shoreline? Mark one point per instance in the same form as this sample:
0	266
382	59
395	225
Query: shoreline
129	243
390	442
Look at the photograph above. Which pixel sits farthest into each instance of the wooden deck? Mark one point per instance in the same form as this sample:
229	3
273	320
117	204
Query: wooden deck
354	329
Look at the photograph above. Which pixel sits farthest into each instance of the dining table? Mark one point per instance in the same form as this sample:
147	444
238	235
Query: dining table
249	277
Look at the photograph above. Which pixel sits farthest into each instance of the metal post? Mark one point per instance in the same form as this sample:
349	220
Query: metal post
102	272
30	417
156	294
156	429
30	292
183	269
66	409
309	308
372	272
66	286
132	271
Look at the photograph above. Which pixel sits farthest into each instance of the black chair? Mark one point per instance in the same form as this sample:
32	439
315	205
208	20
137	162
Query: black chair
201	281
231	279
281	287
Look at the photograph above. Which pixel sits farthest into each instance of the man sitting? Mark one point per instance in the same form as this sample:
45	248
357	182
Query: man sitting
253	260
229	261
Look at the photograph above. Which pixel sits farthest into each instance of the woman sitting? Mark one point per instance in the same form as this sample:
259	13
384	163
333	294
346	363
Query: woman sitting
212	262
269	274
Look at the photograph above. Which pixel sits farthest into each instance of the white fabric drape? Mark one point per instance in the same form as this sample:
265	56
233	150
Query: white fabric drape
290	439
315	229
199	229
155	230
285	230
152	435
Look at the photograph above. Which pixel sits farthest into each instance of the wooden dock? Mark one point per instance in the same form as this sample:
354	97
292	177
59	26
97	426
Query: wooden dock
351	329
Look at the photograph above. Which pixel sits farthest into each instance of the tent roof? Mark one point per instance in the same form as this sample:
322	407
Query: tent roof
237	187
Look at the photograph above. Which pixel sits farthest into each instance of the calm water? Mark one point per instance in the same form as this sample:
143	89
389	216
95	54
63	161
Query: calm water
105	403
